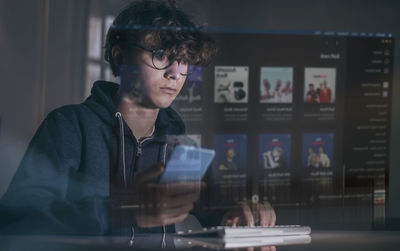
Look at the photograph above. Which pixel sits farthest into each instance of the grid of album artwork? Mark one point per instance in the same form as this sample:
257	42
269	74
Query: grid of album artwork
298	120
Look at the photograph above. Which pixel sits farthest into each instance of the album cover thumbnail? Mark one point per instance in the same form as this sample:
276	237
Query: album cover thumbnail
231	150
276	85
320	85
231	84
318	150
274	151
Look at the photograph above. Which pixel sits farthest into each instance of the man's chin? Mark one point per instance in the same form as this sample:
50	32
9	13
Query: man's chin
165	105
162	103
157	103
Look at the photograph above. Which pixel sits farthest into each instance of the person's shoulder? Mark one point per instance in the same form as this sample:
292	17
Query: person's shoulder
70	112
74	115
81	115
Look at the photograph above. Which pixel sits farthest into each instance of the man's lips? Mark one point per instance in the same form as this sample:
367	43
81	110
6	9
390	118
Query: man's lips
169	90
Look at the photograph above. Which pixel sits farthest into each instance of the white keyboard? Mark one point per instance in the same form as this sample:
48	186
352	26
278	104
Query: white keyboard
246	232
219	243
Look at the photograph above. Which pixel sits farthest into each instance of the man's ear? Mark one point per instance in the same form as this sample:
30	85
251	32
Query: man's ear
116	54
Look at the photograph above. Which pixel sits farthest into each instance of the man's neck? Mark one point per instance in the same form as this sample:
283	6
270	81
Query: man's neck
141	120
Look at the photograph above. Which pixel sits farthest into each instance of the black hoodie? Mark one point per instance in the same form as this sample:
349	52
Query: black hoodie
79	157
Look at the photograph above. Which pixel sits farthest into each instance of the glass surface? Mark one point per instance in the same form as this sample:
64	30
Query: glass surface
94	38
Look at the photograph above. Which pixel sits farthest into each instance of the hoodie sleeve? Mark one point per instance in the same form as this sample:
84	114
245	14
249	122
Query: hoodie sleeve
37	199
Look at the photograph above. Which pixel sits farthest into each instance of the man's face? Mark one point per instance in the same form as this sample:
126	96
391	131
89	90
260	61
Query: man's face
158	88
230	153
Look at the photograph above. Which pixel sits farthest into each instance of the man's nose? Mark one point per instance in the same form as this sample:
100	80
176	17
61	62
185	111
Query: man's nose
173	71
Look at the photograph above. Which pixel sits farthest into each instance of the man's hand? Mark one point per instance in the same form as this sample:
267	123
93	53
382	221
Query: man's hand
163	204
248	213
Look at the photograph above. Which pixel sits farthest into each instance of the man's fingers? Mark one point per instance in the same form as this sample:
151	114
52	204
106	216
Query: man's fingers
181	188
150	173
177	201
247	212
267	214
271	213
248	216
263	214
269	248
273	218
235	222
172	212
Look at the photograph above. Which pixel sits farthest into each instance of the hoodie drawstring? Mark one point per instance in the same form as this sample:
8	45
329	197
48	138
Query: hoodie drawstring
163	243
122	143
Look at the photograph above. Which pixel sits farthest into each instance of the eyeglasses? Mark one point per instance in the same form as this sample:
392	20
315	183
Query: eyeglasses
161	61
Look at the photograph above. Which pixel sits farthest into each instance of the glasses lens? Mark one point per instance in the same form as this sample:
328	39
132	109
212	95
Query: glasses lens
160	60
184	68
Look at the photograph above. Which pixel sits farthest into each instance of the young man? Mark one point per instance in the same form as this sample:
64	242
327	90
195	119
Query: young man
92	168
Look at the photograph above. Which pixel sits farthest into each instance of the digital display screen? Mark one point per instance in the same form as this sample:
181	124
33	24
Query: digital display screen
299	119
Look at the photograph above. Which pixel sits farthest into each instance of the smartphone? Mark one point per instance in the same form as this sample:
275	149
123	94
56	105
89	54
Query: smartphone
187	163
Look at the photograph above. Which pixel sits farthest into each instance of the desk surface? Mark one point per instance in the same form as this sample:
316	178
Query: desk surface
321	240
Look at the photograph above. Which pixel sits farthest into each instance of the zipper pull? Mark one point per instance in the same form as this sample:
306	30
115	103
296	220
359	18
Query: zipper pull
139	149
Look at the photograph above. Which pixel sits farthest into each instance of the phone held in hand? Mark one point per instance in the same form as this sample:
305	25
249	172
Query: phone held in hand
187	163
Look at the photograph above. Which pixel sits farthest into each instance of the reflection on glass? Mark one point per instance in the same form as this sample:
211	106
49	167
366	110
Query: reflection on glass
94	39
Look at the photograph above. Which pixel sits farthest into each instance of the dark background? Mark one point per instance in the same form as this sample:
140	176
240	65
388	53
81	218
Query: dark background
43	47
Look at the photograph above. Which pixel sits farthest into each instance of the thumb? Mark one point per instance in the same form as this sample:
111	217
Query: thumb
150	173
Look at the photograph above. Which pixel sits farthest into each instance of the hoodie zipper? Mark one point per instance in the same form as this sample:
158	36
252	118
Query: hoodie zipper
138	154
139	145
122	145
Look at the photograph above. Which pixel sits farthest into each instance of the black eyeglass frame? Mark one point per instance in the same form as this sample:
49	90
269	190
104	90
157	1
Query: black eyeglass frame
153	55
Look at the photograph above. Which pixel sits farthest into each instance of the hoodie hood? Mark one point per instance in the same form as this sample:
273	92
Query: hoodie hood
101	102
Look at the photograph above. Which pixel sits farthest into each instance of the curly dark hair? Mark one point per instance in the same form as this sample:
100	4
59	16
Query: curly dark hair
158	25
